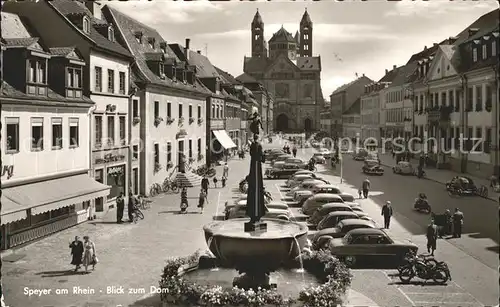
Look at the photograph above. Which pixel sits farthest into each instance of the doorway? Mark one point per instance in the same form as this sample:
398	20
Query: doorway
99	202
282	122
180	156
308	124
135	180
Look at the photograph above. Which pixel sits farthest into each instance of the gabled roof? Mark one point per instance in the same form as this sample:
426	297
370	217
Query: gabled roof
246	78
389	76
129	28
255	64
309	63
346	86
11	92
485	24
403	74
68	8
354	109
16	34
204	68
227	77
66	52
282	36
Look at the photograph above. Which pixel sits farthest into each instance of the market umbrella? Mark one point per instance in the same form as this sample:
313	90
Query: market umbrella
188	179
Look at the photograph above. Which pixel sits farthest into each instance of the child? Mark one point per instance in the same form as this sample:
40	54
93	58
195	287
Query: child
360	193
202	200
223	180
215	181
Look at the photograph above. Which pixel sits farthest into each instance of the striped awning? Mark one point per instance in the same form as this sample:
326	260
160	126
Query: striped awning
188	179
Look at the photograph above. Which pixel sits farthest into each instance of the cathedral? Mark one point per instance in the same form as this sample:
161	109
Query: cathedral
287	68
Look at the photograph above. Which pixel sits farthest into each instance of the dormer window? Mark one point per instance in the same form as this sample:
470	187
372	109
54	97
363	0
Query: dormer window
138	37
151	42
163	47
86	25
37	71
161	70
74	80
111	34
474	55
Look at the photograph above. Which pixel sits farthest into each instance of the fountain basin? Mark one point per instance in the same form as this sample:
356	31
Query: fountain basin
262	251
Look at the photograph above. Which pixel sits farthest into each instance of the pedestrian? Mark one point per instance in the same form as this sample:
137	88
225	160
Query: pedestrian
366	187
387	214
131	206
204	184
432	236
393	154
458	221
76	252
225	170
215	181
89	256
120	206
202	200
223	180
184	200
448	222
294	151
360	193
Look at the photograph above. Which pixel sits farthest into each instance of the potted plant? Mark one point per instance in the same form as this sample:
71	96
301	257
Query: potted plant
200	120
200	157
191	120
158	120
170	164
157	167
136	120
170	120
181	121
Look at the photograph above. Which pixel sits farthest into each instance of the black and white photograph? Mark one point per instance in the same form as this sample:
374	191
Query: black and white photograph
250	153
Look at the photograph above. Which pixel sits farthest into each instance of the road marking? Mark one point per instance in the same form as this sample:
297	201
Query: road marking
279	191
218	203
400	291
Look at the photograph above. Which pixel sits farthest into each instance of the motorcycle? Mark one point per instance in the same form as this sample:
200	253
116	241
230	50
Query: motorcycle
422	205
419	267
428	259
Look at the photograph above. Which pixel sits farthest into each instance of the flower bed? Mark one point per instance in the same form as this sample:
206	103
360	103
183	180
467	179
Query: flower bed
334	275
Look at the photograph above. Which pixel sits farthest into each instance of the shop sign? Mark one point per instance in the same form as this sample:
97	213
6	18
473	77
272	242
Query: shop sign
109	158
8	170
115	170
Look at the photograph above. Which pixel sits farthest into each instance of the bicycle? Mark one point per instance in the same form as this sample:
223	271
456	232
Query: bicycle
156	189
482	191
170	185
145	203
137	214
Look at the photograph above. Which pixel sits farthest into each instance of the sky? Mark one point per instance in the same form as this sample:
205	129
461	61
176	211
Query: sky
351	37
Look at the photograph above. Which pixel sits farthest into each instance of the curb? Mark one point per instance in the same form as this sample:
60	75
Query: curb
440	182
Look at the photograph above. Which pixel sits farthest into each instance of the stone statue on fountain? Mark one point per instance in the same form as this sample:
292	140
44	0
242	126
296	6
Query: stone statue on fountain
256	207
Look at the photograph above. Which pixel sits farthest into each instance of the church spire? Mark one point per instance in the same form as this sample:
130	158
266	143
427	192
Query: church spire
306	19
257	19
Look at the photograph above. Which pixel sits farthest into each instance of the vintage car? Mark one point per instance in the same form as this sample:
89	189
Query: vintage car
243	202
301	197
404	168
305	187
300	163
462	185
333	218
372	167
322	238
281	157
272	154
326	153
360	154
315	202
300	173
239	211
369	244
298	179
347	197
326	209
281	171
318	158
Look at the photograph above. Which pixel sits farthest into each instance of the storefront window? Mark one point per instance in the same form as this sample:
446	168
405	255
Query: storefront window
116	179
40	218
19	225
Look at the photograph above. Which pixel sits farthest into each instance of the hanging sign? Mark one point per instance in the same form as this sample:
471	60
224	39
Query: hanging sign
115	170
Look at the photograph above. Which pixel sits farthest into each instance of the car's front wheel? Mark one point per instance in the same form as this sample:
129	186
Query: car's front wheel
350	261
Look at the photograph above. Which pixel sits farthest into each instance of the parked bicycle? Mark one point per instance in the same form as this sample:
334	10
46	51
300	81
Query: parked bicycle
170	185
144	203
205	171
155	189
137	214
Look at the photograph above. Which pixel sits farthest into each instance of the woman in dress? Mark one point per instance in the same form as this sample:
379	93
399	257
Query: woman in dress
89	257
202	200
76	252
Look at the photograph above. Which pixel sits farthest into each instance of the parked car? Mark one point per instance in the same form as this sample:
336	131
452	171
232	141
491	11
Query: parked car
239	211
281	157
333	218
304	171
404	168
326	209
316	201
372	167
300	174
296	180
326	153
283	171
270	205
347	197
318	189
299	162
322	237
272	154
369	244
305	187
318	158
360	154
462	185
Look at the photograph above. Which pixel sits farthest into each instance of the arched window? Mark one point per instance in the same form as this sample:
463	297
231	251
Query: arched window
86	25
111	34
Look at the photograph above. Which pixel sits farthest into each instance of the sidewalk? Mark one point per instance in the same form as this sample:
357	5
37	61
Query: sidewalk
441	175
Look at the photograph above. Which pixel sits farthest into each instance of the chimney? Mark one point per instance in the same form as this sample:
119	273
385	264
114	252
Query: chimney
363	75
393	67
198	51
94	8
386	71
425	48
434	45
473	31
186	49
452	39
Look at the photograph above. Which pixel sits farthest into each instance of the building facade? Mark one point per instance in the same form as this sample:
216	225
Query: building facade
370	112
351	122
46	183
105	81
168	105
290	72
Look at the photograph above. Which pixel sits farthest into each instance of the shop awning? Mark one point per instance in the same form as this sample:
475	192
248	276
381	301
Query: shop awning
12	211
224	139
53	194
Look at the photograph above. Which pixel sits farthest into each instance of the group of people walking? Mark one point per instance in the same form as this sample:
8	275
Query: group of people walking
447	224
133	202
83	253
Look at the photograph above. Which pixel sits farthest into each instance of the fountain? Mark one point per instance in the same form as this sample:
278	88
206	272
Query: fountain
255	247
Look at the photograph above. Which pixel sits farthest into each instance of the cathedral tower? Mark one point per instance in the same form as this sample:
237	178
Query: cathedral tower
306	27
258	42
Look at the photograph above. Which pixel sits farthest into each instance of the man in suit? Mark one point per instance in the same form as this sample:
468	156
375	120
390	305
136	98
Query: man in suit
387	213
120	206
